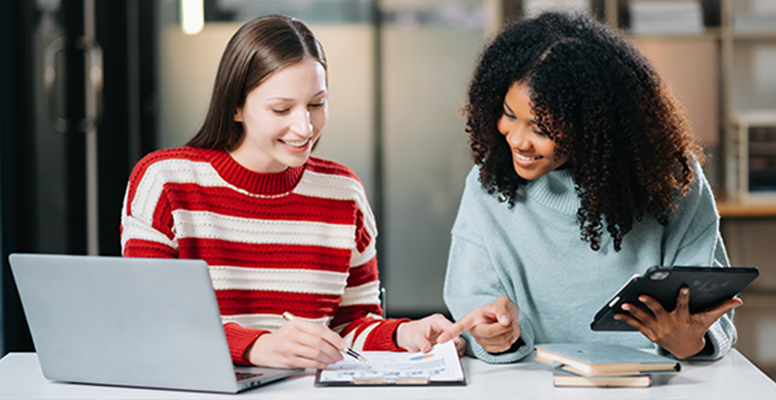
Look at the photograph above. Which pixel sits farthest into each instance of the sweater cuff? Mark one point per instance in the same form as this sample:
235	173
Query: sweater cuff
240	341
514	348
519	350
382	336
721	343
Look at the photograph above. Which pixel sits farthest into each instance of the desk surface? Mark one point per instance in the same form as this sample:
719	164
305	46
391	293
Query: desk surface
733	377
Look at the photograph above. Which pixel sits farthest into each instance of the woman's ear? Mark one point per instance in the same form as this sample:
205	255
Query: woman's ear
238	117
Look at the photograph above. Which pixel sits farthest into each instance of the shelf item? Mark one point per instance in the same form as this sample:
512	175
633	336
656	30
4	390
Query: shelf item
751	156
745	23
754	16
532	8
654	17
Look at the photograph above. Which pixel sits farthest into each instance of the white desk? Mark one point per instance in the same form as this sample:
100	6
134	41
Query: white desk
733	377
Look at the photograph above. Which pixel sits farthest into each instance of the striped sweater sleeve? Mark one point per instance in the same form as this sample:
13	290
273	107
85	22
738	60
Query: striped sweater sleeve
146	226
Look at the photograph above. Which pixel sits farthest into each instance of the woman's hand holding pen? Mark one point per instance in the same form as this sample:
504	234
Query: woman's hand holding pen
494	326
422	334
297	344
679	332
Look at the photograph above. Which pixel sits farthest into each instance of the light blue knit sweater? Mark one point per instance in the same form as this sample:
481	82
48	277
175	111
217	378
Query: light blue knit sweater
534	254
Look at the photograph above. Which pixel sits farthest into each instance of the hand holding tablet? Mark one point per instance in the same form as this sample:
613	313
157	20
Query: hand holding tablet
709	287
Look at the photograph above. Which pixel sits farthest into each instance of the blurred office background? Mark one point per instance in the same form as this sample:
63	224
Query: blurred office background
87	87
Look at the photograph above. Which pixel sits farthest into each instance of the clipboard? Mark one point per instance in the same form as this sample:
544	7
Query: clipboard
439	367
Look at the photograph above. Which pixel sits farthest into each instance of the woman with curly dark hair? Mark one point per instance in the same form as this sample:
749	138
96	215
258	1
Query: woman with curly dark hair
586	174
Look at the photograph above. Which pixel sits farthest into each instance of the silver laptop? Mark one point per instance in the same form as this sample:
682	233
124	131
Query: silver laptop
129	322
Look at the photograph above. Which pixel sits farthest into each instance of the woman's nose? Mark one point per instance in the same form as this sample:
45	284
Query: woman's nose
517	137
302	124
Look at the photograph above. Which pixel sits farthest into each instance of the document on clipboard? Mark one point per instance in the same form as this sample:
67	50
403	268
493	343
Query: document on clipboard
440	366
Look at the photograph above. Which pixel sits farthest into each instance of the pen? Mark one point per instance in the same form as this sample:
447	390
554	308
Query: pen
347	351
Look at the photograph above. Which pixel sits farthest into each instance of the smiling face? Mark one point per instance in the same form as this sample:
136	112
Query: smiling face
533	153
282	118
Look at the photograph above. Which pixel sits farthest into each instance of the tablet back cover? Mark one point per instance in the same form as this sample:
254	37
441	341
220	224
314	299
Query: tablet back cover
709	287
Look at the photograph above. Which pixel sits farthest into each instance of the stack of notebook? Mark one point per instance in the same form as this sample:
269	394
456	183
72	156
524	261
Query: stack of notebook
601	365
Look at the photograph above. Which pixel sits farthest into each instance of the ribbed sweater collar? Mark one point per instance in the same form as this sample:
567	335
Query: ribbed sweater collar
254	182
555	191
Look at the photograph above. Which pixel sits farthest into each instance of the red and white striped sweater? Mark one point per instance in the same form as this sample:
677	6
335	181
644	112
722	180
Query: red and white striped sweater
301	241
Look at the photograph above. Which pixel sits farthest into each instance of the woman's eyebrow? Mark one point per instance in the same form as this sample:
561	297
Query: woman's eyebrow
281	98
531	121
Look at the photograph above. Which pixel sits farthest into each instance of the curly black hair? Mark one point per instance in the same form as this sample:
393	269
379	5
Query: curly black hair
631	150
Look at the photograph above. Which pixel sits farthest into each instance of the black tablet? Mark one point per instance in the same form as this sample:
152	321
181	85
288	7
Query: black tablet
709	287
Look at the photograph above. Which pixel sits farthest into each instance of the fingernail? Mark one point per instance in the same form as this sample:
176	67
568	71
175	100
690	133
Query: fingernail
617	317
643	299
626	307
503	319
685	291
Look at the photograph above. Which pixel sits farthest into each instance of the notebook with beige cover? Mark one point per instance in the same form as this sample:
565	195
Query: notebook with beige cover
594	359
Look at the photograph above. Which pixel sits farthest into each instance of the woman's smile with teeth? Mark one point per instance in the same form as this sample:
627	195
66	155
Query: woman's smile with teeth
295	144
524	158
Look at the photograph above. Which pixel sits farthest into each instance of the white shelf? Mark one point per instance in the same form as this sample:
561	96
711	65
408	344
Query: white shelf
707	34
769	34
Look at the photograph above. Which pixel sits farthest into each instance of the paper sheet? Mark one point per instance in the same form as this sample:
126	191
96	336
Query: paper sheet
441	364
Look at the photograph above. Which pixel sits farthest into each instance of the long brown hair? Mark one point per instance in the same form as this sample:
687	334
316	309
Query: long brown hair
257	50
